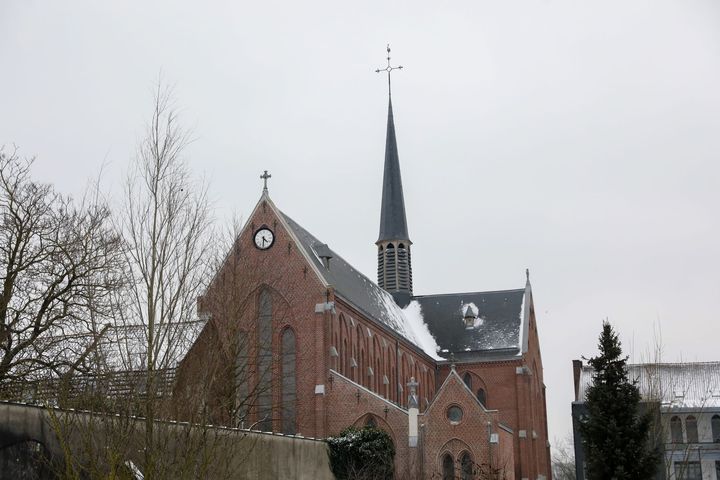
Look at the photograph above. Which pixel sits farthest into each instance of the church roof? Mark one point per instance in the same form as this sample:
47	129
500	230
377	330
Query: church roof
354	287
393	223
498	329
693	385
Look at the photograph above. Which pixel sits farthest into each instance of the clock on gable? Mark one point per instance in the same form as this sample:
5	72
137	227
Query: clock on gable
264	238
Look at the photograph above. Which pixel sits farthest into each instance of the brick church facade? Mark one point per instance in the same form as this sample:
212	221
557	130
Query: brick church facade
299	342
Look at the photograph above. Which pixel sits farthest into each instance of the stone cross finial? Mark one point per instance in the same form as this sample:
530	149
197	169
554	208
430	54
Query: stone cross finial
264	178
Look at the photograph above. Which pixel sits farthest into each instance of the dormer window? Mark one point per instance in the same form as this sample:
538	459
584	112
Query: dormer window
469	318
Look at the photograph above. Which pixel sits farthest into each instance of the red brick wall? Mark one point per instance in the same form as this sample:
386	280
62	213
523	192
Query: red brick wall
471	434
356	337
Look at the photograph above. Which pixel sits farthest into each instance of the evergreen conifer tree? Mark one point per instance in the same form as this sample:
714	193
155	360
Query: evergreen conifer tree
616	431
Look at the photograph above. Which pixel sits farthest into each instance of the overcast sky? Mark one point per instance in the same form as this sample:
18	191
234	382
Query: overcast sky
579	139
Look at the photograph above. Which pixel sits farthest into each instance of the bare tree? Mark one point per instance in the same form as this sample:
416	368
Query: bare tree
59	264
166	226
563	459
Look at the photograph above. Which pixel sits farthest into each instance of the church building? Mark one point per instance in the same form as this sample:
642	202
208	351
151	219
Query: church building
298	341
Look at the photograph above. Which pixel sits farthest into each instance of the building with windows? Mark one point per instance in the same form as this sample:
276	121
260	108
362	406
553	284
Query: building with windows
298	341
688	397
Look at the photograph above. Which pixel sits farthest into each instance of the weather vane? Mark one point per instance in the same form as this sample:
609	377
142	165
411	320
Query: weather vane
388	69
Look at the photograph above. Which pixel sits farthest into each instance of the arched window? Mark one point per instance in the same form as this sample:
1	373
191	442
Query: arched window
691	429
242	377
289	391
676	433
715	427
466	466
482	396
467	378
448	467
371	422
264	362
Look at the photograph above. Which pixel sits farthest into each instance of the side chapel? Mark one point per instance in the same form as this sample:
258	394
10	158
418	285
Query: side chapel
303	343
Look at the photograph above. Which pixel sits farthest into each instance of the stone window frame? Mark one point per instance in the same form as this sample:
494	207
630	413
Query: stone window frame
447	414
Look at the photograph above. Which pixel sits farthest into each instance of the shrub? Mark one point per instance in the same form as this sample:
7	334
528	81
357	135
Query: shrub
362	453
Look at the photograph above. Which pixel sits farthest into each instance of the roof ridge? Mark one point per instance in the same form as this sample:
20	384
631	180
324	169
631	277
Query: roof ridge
514	290
664	364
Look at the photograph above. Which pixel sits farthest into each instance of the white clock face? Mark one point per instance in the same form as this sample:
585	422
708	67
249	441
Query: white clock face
264	238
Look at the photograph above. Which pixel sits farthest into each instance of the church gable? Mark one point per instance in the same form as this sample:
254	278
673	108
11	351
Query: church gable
461	431
455	391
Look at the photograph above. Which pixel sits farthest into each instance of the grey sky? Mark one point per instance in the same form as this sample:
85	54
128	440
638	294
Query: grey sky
579	139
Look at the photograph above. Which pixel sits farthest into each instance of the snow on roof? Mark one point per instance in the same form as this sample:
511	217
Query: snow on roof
675	385
416	323
499	328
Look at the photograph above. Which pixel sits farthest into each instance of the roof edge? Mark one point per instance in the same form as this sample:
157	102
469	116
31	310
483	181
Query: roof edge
513	290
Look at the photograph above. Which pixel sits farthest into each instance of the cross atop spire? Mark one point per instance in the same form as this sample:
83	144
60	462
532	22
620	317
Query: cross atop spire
388	69
264	178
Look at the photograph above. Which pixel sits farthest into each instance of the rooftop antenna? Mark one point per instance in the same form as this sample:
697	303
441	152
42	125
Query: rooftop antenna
388	69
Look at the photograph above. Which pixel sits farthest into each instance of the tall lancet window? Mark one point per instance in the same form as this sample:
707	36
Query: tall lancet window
264	362
242	377
289	386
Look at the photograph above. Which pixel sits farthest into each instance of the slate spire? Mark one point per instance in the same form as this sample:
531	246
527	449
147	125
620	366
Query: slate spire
393	223
394	262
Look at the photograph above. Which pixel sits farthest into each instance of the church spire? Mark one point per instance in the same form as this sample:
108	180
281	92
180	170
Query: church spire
393	222
394	266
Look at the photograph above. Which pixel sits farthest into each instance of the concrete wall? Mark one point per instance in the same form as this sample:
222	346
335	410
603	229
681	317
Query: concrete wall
219	452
